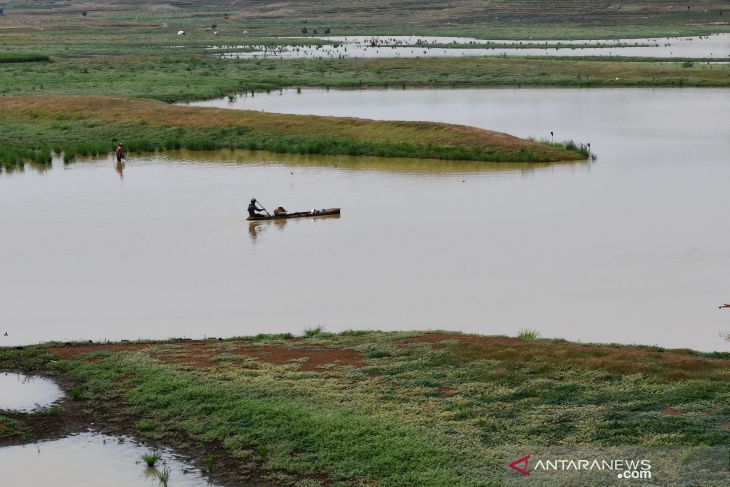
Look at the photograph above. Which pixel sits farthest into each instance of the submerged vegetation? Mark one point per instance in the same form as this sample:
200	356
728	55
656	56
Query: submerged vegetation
373	408
81	126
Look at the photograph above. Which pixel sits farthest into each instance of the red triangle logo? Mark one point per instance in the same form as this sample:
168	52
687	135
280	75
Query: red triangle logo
523	471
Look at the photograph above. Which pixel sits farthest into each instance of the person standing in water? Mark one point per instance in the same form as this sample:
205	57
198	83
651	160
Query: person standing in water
120	152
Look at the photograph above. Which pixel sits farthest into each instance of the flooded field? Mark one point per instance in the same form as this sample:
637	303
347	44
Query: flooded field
20	392
715	46
633	247
91	459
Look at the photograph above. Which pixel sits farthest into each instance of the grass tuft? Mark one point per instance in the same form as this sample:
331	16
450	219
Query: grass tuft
209	463
316	332
528	334
151	459
146	425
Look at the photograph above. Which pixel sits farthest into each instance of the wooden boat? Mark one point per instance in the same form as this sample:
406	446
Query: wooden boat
298	214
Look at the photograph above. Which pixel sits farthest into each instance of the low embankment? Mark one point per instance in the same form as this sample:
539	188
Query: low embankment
373	408
31	128
10	57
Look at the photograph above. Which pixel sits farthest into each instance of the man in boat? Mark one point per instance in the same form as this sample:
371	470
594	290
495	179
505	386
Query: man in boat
253	208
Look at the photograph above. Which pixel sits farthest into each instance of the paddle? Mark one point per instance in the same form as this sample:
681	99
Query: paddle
262	207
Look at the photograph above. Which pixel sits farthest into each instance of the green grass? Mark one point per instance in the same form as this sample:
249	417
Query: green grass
11	428
209	463
52	410
146	425
151	459
429	412
12	57
32	127
111	24
175	78
528	334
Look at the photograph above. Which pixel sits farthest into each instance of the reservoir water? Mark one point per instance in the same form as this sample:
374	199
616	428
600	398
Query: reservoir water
633	247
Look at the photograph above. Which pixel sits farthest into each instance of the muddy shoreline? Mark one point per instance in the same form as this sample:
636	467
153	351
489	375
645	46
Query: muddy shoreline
204	398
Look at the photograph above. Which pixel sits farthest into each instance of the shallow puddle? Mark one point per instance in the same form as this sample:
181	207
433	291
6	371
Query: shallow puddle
19	392
91	460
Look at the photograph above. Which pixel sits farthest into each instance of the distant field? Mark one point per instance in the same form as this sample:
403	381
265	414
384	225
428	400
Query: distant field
192	77
131	48
494	18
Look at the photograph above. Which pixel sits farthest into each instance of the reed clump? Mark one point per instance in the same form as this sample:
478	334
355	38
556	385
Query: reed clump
151	459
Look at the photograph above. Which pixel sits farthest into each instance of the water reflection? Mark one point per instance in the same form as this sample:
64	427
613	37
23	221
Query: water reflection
389	164
20	392
89	460
257	229
243	156
120	169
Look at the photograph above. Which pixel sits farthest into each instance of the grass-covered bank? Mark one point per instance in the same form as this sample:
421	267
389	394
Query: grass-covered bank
372	408
176	78
30	127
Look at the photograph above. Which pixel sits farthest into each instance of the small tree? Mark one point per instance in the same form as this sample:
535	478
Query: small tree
304	30
327	30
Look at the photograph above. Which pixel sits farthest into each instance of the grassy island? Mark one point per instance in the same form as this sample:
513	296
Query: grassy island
33	127
375	408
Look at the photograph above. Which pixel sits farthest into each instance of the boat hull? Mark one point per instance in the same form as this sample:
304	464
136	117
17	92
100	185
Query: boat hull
299	214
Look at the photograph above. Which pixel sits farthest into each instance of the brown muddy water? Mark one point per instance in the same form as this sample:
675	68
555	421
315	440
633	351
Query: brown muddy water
26	393
632	248
91	459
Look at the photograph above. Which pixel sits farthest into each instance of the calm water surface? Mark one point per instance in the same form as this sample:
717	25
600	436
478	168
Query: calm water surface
20	392
90	460
634	247
715	46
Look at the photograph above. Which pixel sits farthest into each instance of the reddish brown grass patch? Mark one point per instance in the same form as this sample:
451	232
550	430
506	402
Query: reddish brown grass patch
314	358
73	351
